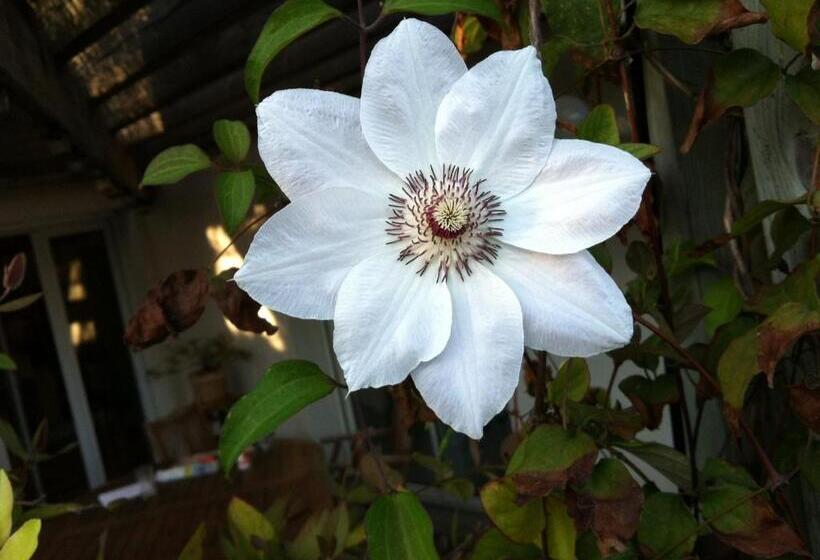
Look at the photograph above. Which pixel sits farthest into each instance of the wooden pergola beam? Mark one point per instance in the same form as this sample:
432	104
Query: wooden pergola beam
121	12
27	67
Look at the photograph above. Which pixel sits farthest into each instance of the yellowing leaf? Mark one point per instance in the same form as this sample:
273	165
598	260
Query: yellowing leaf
23	543
251	524
561	531
520	519
790	21
6	506
193	548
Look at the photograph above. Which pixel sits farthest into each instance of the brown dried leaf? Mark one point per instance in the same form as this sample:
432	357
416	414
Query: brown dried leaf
806	404
14	272
542	483
170	308
771	537
777	334
237	306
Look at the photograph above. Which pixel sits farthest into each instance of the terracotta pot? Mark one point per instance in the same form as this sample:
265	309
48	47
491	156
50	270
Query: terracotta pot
210	389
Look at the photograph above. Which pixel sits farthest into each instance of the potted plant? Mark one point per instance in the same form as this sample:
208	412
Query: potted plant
204	360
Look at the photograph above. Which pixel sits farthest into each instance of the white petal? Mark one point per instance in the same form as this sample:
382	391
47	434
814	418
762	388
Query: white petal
388	319
311	140
571	306
584	195
407	76
300	256
499	120
476	374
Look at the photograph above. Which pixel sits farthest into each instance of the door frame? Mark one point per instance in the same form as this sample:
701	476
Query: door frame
69	365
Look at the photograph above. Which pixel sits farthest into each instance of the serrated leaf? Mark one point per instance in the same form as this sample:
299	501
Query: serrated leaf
519	519
6	363
486	8
22	544
288	22
640	151
549	458
19	303
398	528
693	20
666	528
233	139
725	302
669	462
493	545
790	21
174	164
739	78
804	89
600	125
234	195
286	388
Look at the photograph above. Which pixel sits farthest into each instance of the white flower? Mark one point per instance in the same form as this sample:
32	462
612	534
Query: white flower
440	225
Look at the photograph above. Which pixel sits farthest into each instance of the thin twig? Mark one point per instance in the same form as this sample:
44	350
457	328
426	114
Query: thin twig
669	76
535	26
242	232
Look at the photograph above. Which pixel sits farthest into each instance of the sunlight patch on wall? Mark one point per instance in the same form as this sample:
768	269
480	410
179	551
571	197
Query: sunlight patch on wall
218	239
145	128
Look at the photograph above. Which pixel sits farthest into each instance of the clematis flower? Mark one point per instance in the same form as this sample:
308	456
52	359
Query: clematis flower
440	225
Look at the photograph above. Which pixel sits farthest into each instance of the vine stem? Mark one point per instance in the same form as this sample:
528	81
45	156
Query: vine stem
535	26
242	232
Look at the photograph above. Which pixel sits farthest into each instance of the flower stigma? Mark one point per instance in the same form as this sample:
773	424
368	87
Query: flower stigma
445	221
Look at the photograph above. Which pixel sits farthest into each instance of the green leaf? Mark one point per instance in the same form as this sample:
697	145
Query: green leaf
23	543
7	363
233	139
717	471
602	256
12	441
398	528
736	368
650	396
286	388
799	286
486	8
552	51
583	24
782	329
689	20
725	302
6	506
757	214
571	383
743	77
461	488
640	260
193	549
790	21
729	508
600	126
518	518
287	23
667	528
493	545
305	546
50	511
19	303
804	89
669	462
787	228
174	164
640	151
234	195
561	531
549	458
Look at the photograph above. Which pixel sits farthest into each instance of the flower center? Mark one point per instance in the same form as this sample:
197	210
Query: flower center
445	221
